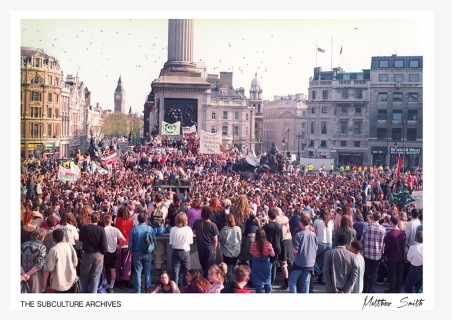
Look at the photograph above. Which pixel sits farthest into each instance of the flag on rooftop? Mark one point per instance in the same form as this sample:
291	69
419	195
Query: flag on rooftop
321	50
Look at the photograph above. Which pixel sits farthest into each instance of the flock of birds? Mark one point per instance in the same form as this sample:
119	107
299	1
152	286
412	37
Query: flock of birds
149	54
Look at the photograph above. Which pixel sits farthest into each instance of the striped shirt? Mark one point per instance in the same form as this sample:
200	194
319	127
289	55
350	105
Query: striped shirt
372	240
254	250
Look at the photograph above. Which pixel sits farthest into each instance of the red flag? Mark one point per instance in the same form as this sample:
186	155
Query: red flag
399	165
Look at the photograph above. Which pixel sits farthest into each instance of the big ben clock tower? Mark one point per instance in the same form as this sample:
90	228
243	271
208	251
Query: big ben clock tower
120	98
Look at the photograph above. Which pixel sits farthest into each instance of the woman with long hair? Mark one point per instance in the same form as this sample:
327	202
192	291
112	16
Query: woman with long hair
262	250
323	228
346	228
219	213
230	239
124	223
248	223
196	282
166	284
27	227
194	213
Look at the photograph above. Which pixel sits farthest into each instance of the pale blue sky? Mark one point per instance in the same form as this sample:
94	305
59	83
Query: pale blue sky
281	51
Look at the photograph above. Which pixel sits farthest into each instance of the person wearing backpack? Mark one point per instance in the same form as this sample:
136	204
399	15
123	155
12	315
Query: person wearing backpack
142	259
158	214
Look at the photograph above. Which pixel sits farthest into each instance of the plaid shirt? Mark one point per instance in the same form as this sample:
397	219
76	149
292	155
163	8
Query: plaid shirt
372	240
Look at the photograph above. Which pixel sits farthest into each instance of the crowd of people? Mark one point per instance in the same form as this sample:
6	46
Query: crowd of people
340	230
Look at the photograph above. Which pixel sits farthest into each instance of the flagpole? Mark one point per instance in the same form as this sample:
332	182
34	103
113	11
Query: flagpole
316	53
331	53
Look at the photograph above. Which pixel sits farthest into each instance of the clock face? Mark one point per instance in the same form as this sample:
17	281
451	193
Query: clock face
118	96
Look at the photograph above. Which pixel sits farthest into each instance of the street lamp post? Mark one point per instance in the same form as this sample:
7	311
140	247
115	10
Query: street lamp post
387	147
298	137
403	142
283	142
288	139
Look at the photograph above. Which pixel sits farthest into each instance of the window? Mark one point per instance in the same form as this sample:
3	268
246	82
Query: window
359	94
343	144
49	113
398	97
49	97
36	96
303	125
412	115
398	78
346	77
325	94
414	78
383	77
344	125
50	80
411	134
57	113
259	108
357	128
247	117
344	94
398	64
382	96
35	130
236	115
311	143
312	127
225	115
213	129
381	134
49	130
36	63
357	110
324	130
313	95
382	114
344	110
302	135
35	80
224	130
412	97
35	112
236	130
312	110
414	63
397	115
396	134
324	109
357	144
383	63
322	143
359	76
213	116
303	113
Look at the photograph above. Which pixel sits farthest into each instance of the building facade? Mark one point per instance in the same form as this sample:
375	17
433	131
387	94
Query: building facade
40	98
396	113
338	116
285	124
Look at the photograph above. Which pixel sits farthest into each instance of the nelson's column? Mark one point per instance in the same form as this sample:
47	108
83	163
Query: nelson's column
180	91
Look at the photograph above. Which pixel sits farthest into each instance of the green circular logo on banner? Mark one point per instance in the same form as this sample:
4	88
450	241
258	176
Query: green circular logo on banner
170	128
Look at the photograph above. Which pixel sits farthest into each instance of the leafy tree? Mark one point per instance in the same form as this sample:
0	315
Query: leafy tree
121	122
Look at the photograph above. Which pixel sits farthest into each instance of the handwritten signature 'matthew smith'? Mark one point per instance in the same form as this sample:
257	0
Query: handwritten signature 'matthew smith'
378	303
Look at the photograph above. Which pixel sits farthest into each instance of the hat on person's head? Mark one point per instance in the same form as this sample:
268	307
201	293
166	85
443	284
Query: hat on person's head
36	214
227	202
176	197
